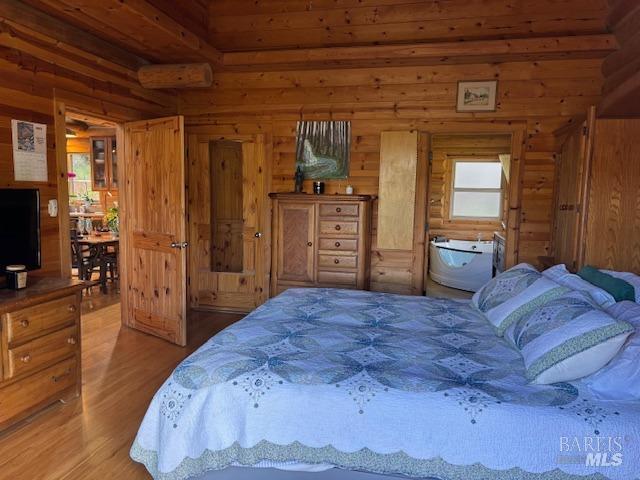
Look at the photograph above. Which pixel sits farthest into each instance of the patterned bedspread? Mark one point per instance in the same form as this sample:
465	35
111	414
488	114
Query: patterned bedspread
381	383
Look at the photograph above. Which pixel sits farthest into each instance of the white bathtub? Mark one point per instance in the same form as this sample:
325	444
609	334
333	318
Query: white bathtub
461	264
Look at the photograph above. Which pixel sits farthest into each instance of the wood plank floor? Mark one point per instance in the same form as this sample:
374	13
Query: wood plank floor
89	438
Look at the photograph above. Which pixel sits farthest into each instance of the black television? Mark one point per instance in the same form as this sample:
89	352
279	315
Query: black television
20	237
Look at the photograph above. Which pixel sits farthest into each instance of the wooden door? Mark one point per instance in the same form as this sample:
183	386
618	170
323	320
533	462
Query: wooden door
296	238
153	233
570	196
229	222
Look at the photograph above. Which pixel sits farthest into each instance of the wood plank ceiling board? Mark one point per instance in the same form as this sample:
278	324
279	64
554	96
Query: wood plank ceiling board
136	25
252	25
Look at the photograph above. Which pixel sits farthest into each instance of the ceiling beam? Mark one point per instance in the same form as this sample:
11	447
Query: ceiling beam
490	51
23	14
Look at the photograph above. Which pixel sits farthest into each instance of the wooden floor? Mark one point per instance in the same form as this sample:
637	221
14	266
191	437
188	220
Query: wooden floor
89	438
440	291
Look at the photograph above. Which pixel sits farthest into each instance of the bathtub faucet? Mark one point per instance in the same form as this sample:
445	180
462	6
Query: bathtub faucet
479	237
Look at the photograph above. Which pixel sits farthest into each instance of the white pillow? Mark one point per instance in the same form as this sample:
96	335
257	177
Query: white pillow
514	293
560	274
620	378
567	338
628	277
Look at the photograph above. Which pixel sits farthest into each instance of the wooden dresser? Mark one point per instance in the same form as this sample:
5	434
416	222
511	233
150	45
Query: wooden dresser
39	346
320	241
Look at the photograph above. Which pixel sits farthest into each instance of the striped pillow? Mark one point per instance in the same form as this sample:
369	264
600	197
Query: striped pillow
513	294
567	338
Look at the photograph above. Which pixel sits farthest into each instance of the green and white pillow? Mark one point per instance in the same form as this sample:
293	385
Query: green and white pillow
567	338
508	297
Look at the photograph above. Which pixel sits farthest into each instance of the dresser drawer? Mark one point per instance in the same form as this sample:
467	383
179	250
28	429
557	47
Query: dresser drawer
30	322
42	352
341	227
339	244
337	278
338	261
338	210
21	396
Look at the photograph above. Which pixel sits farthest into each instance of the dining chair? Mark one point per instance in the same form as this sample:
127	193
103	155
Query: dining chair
84	258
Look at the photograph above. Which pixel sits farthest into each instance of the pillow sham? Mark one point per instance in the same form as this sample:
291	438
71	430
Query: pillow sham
562	276
628	277
620	378
620	289
514	293
567	338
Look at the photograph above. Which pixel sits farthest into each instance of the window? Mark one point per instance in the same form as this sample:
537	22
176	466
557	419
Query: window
80	184
477	189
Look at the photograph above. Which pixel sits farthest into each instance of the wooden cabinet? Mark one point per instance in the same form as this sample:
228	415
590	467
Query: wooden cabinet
104	163
320	241
596	205
39	346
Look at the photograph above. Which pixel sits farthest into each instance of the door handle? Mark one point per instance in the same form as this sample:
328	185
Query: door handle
179	244
258	235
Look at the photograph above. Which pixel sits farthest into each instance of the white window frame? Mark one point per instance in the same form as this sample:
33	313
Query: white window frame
500	190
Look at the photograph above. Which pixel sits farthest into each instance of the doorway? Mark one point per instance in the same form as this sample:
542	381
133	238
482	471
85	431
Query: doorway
472	210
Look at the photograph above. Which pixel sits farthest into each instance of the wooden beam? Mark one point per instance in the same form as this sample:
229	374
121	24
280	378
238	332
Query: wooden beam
187	75
62	184
43	23
427	53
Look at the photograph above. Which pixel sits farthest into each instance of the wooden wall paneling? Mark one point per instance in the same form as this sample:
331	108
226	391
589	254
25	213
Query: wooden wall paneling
445	149
397	190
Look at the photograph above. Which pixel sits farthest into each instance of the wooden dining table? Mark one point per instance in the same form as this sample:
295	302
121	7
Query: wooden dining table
100	243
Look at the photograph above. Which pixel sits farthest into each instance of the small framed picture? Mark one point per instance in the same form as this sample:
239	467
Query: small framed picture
477	96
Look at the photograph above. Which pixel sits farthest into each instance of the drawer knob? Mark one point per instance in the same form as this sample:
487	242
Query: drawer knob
309	244
24	323
72	308
71	340
337	244
25	358
336	261
57	378
338	209
338	227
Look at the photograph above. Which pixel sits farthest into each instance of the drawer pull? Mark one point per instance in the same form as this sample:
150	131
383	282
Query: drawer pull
336	261
71	340
338	227
309	244
72	308
338	209
24	323
337	244
57	378
25	358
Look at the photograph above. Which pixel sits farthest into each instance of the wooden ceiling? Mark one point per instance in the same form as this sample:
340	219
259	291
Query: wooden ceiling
275	24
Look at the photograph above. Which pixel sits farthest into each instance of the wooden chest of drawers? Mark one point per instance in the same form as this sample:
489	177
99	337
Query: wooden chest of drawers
320	241
39	347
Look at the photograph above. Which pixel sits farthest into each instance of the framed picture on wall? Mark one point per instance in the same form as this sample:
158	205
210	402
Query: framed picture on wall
322	149
477	96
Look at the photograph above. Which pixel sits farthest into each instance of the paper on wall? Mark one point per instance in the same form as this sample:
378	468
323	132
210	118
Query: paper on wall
29	151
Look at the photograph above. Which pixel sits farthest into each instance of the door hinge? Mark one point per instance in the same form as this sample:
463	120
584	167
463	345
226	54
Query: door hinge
430	157
426	226
585	131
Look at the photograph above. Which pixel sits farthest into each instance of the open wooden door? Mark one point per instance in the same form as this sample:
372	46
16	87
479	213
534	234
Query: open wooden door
153	231
229	221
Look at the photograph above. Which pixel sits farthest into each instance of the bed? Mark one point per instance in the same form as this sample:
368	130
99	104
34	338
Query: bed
340	381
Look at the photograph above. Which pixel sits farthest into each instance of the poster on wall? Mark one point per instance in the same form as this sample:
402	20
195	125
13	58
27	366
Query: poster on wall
29	151
322	149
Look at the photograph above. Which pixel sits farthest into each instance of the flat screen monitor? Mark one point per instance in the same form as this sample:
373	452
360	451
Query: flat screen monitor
20	228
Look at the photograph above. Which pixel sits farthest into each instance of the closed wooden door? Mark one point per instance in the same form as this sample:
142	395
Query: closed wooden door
228	222
571	185
296	237
153	232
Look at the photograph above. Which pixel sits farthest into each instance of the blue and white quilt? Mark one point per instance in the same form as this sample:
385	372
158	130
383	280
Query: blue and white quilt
381	383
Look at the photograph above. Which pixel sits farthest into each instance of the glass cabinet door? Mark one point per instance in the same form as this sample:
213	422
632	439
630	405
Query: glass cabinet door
99	163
